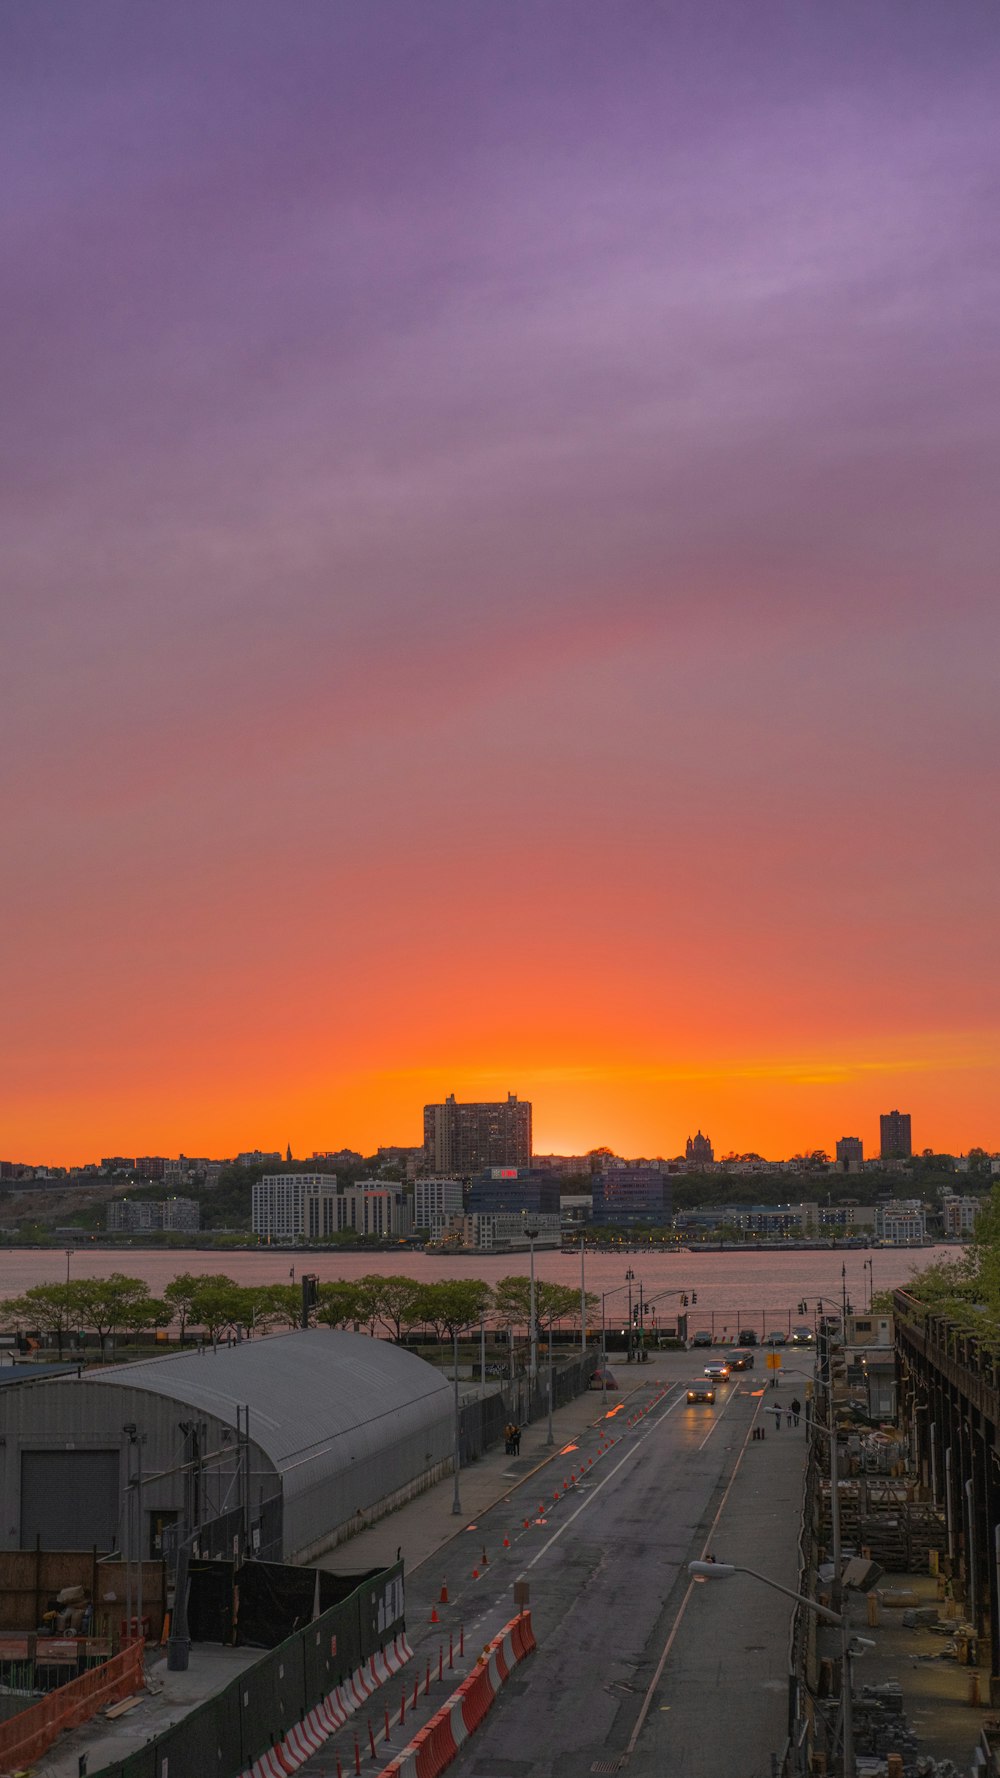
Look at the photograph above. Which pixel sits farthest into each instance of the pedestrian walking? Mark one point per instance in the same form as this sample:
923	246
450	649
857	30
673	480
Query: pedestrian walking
508	1438
777	1416
517	1441
795	1410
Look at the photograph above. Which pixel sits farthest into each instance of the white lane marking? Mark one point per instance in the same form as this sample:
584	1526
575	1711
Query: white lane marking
636	1446
668	1645
718	1419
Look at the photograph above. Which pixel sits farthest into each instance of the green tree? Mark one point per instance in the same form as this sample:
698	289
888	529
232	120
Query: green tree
45	1308
218	1304
339	1303
179	1294
454	1304
107	1305
397	1302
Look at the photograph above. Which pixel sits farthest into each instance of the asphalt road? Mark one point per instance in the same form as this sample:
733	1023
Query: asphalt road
633	1664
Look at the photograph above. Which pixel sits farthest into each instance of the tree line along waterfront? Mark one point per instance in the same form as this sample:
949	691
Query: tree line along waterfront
214	1307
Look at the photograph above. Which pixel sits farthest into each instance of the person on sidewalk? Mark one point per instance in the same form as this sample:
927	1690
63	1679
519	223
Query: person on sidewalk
794	1411
777	1416
517	1441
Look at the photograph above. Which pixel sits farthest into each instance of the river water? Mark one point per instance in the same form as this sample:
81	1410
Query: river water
736	1288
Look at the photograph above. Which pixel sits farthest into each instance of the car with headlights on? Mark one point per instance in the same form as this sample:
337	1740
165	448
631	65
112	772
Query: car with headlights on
704	1390
717	1371
740	1360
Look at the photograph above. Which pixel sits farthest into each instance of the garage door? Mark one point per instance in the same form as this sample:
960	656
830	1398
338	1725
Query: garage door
69	1499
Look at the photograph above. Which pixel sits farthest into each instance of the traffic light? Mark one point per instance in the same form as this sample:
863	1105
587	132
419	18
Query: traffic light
684	1301
694	1296
803	1308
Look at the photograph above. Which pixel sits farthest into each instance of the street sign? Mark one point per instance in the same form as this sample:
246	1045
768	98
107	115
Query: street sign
774	1361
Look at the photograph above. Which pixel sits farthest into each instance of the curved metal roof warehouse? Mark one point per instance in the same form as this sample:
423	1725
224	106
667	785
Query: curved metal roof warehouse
334	1426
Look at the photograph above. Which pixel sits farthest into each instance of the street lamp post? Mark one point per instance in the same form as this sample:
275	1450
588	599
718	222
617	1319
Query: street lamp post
583	1295
629	1276
724	1570
456	1505
549	1437
533	1361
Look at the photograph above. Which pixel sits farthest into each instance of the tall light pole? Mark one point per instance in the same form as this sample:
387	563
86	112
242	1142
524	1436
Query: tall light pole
583	1295
533	1362
629	1276
724	1570
456	1505
549	1438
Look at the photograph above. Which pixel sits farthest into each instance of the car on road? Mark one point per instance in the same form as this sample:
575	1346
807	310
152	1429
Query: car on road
702	1337
747	1337
702	1391
718	1370
776	1339
803	1336
740	1360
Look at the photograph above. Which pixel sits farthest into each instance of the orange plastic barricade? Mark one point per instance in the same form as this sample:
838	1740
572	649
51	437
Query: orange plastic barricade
26	1737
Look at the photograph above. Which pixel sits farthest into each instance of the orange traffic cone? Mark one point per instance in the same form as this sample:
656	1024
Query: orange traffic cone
434	1616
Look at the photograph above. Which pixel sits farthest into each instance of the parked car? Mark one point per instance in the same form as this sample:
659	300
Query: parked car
741	1360
803	1336
747	1337
718	1370
702	1337
776	1339
703	1391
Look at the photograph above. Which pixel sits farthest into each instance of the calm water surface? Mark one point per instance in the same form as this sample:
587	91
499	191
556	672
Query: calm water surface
731	1286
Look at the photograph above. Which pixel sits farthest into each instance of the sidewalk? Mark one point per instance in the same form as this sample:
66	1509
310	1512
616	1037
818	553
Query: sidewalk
731	1638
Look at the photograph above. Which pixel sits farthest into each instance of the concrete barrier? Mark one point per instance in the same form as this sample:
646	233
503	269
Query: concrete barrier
307	1737
435	1746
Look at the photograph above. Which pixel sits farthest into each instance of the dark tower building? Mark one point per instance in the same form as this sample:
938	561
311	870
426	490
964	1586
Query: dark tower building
462	1140
895	1130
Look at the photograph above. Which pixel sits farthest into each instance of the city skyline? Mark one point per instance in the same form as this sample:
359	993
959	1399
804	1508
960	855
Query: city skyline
500	572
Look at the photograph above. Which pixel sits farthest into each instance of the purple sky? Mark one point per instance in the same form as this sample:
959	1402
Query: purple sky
446	434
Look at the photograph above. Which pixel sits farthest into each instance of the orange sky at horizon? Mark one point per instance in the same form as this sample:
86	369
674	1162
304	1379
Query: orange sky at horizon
769	1107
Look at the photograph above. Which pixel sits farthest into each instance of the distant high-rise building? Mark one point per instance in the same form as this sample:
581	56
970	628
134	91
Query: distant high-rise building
699	1151
435	1201
286	1205
895	1131
466	1139
850	1154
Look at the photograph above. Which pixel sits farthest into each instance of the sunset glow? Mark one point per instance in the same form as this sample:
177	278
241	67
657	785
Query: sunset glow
501	536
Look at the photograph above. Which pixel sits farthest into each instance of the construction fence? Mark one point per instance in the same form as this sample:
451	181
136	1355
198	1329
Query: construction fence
255	1711
27	1737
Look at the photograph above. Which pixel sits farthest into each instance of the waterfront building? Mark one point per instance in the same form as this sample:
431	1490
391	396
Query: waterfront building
626	1195
510	1190
463	1139
373	1207
850	1154
494	1231
958	1215
293	1206
258	1157
900	1222
133	1216
181	1213
896	1143
435	1201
